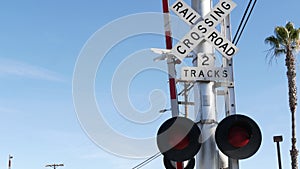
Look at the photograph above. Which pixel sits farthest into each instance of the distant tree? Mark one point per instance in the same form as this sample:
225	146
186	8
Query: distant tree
286	42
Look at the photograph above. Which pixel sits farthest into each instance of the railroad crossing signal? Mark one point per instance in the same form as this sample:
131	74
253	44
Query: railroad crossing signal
238	136
178	141
203	30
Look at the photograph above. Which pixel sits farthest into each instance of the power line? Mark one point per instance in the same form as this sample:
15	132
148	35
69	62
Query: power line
242	23
147	161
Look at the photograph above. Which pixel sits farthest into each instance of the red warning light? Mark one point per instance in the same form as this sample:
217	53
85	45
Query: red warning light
238	136
179	141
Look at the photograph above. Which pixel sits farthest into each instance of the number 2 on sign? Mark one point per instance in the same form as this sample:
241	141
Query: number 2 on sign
204	60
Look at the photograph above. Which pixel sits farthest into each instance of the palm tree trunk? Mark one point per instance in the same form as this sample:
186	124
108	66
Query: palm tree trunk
290	62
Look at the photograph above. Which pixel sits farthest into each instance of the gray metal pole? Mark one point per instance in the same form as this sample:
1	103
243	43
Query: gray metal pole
205	98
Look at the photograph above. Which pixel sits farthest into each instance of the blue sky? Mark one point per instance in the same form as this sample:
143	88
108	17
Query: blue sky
40	42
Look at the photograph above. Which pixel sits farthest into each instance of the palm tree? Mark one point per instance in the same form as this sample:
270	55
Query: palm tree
286	41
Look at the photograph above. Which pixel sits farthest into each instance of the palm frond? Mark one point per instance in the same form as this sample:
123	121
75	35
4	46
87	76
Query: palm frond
295	40
289	26
286	38
279	51
273	53
273	41
270	56
282	34
294	34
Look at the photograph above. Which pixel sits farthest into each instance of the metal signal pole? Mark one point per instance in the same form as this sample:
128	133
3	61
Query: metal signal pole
205	98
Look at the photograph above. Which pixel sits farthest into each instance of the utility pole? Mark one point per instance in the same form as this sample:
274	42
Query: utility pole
278	139
9	161
54	165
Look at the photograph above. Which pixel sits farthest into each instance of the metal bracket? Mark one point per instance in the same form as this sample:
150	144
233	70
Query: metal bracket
207	121
164	55
224	84
164	110
186	103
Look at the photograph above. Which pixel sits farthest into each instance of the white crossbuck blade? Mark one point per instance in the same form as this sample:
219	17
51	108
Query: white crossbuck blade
203	30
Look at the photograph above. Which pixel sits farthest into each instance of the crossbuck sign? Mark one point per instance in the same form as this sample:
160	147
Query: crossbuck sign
203	30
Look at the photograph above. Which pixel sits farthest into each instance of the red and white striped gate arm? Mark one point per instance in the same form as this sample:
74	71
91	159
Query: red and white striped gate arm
171	67
170	60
